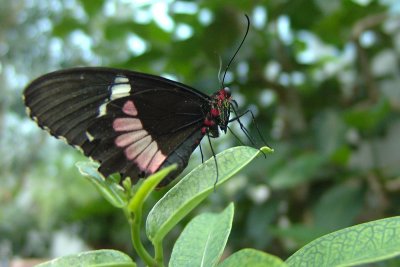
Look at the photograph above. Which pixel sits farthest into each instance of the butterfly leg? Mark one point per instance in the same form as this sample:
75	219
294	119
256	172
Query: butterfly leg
201	153
215	160
244	129
237	138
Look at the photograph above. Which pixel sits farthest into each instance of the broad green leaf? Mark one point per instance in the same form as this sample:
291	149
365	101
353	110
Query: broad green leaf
66	26
329	130
110	190
257	222
95	258
92	7
368	117
297	171
253	258
194	188
338	207
300	234
203	240
360	244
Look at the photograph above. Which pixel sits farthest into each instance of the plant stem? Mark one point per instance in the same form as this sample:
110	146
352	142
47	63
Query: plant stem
135	224
159	253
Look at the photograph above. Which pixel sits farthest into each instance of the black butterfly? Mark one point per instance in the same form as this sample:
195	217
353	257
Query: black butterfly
132	123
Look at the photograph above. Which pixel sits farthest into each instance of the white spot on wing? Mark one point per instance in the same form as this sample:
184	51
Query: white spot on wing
121	79
78	148
120	88
89	136
103	109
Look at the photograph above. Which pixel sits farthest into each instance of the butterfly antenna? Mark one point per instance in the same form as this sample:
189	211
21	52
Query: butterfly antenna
220	68
237	50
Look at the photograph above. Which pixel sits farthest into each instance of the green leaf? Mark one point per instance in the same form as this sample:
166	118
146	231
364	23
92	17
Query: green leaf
66	25
194	188
329	130
109	188
360	244
203	240
297	171
95	258
368	117
299	234
134	212
253	258
147	187
339	206
93	7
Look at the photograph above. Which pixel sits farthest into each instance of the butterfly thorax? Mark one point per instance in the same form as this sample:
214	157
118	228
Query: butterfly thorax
218	115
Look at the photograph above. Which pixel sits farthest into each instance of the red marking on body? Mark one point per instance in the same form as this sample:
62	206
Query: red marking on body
221	95
129	138
129	108
156	161
207	122
127	124
214	112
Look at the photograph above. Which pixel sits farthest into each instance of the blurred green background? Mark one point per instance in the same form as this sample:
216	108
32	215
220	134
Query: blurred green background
321	76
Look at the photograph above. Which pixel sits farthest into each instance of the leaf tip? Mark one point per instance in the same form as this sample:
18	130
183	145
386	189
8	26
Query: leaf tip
266	149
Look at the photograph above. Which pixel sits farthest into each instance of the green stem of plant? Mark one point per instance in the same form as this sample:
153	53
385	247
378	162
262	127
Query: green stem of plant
135	224
159	253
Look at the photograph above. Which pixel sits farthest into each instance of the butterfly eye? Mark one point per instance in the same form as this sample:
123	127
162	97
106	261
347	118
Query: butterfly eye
227	91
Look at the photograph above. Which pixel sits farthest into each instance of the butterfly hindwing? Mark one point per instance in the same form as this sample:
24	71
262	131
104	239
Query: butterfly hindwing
130	122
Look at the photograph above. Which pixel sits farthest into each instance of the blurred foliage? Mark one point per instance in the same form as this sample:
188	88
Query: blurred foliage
322	78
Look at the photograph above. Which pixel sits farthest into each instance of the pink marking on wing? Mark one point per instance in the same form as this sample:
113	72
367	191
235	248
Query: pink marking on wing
129	108
132	151
156	162
130	138
127	124
145	157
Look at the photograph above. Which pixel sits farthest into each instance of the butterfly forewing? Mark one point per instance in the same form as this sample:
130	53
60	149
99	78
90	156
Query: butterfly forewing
132	123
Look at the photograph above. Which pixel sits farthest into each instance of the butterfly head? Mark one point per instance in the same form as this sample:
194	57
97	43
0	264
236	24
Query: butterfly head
223	105
218	115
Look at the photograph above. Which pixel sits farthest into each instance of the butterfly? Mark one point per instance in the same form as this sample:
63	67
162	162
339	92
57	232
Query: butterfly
130	122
